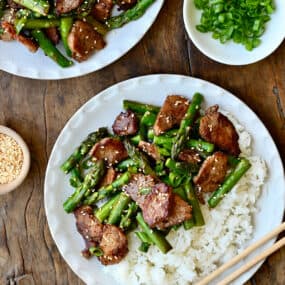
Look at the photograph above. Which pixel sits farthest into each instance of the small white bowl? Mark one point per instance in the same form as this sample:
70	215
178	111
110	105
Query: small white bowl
5	188
230	52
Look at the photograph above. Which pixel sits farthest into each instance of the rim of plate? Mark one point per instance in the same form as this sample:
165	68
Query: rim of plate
158	78
231	59
87	67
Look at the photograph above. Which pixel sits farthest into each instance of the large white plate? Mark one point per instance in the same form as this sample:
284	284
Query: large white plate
230	52
101	111
16	59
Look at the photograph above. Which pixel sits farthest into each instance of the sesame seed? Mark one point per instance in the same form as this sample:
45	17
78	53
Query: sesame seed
11	159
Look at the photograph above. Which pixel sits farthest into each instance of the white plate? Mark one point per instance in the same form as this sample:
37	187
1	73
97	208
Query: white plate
230	52
16	59
101	111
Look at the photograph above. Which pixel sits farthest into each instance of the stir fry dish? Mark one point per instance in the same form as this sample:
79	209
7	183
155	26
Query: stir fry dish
81	25
151	174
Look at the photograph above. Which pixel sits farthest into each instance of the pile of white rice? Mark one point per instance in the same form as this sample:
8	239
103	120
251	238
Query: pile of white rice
199	251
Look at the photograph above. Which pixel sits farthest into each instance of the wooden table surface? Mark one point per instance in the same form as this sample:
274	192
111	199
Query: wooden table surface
39	109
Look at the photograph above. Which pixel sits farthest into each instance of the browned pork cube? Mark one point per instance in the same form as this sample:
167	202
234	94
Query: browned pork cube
171	113
212	172
102	10
219	130
126	124
65	6
181	211
110	150
114	245
83	40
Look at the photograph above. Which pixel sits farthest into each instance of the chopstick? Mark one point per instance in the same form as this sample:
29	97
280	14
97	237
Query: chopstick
243	254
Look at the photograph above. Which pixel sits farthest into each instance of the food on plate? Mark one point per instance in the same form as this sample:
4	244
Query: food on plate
81	25
139	189
242	21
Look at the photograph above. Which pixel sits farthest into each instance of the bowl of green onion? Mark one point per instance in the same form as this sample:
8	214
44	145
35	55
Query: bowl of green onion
235	32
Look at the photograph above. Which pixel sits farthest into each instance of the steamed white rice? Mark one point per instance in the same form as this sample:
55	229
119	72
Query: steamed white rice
199	251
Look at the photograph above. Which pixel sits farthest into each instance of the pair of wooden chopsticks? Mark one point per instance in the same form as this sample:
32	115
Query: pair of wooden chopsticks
245	253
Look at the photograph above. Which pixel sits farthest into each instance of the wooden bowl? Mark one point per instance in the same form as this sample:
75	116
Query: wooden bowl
5	188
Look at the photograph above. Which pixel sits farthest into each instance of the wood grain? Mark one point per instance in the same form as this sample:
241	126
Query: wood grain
39	109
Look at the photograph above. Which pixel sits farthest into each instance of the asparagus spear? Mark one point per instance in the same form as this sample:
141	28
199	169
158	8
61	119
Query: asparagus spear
201	145
125	164
75	179
104	211
38	23
129	15
148	119
108	190
181	168
83	149
146	241
118	208
39	6
90	181
126	220
186	124
64	28
156	237
196	210
49	49
139	158
230	182
140	108
99	27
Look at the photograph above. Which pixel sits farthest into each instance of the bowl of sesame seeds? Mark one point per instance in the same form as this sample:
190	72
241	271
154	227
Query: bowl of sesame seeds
14	160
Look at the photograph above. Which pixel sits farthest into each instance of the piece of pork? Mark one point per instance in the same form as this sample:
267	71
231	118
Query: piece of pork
181	211
157	205
190	156
136	184
102	10
150	149
65	6
126	124
53	35
108	178
88	225
171	113
83	40
126	4
219	130
110	150
27	42
212	172
114	245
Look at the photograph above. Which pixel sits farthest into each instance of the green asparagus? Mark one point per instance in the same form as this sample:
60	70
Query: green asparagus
140	108
230	182
90	181
126	219
185	125
155	236
201	145
32	24
104	211
49	49
108	190
64	28
129	15
75	179
39	6
139	159
118	208
83	149
196	210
